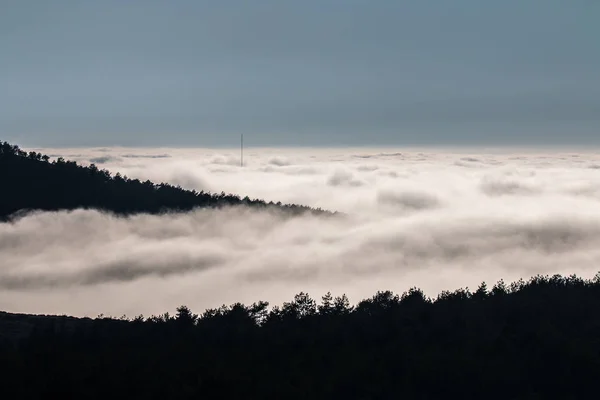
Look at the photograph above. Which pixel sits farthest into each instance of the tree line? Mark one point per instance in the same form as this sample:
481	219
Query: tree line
30	181
533	339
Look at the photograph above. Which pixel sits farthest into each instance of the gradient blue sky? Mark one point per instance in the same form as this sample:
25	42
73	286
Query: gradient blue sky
310	72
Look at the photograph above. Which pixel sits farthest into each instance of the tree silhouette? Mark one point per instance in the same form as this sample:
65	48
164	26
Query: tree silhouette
31	182
529	339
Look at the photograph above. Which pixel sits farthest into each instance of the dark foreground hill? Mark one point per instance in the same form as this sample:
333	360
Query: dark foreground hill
529	340
31	182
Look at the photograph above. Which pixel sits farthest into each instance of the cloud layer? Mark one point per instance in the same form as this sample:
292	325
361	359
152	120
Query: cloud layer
434	219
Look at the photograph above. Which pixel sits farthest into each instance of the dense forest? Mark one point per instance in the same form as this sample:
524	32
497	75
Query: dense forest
538	339
30	181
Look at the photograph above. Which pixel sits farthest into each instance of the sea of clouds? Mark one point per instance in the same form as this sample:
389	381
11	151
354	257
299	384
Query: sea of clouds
435	219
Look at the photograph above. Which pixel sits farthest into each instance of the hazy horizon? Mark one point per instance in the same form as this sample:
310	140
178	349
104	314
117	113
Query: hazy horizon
500	148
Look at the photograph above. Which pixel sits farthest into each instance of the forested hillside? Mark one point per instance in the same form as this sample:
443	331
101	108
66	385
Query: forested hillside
30	181
529	340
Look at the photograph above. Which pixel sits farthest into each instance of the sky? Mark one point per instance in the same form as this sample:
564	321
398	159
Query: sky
299	73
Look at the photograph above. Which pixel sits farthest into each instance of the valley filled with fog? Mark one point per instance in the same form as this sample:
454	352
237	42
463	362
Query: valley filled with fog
435	219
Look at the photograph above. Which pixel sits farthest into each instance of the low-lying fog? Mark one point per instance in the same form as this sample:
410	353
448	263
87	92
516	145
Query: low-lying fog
432	219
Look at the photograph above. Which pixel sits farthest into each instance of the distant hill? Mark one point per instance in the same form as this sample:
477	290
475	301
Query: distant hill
30	181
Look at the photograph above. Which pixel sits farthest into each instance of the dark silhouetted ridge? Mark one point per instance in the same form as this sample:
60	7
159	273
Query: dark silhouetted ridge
529	340
30	181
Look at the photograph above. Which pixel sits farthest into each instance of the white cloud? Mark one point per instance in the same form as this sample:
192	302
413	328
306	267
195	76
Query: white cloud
416	219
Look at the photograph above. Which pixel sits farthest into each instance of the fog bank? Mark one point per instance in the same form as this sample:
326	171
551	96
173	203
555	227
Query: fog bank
436	220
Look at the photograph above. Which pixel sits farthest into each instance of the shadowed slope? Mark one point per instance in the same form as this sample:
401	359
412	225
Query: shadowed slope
31	182
526	340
